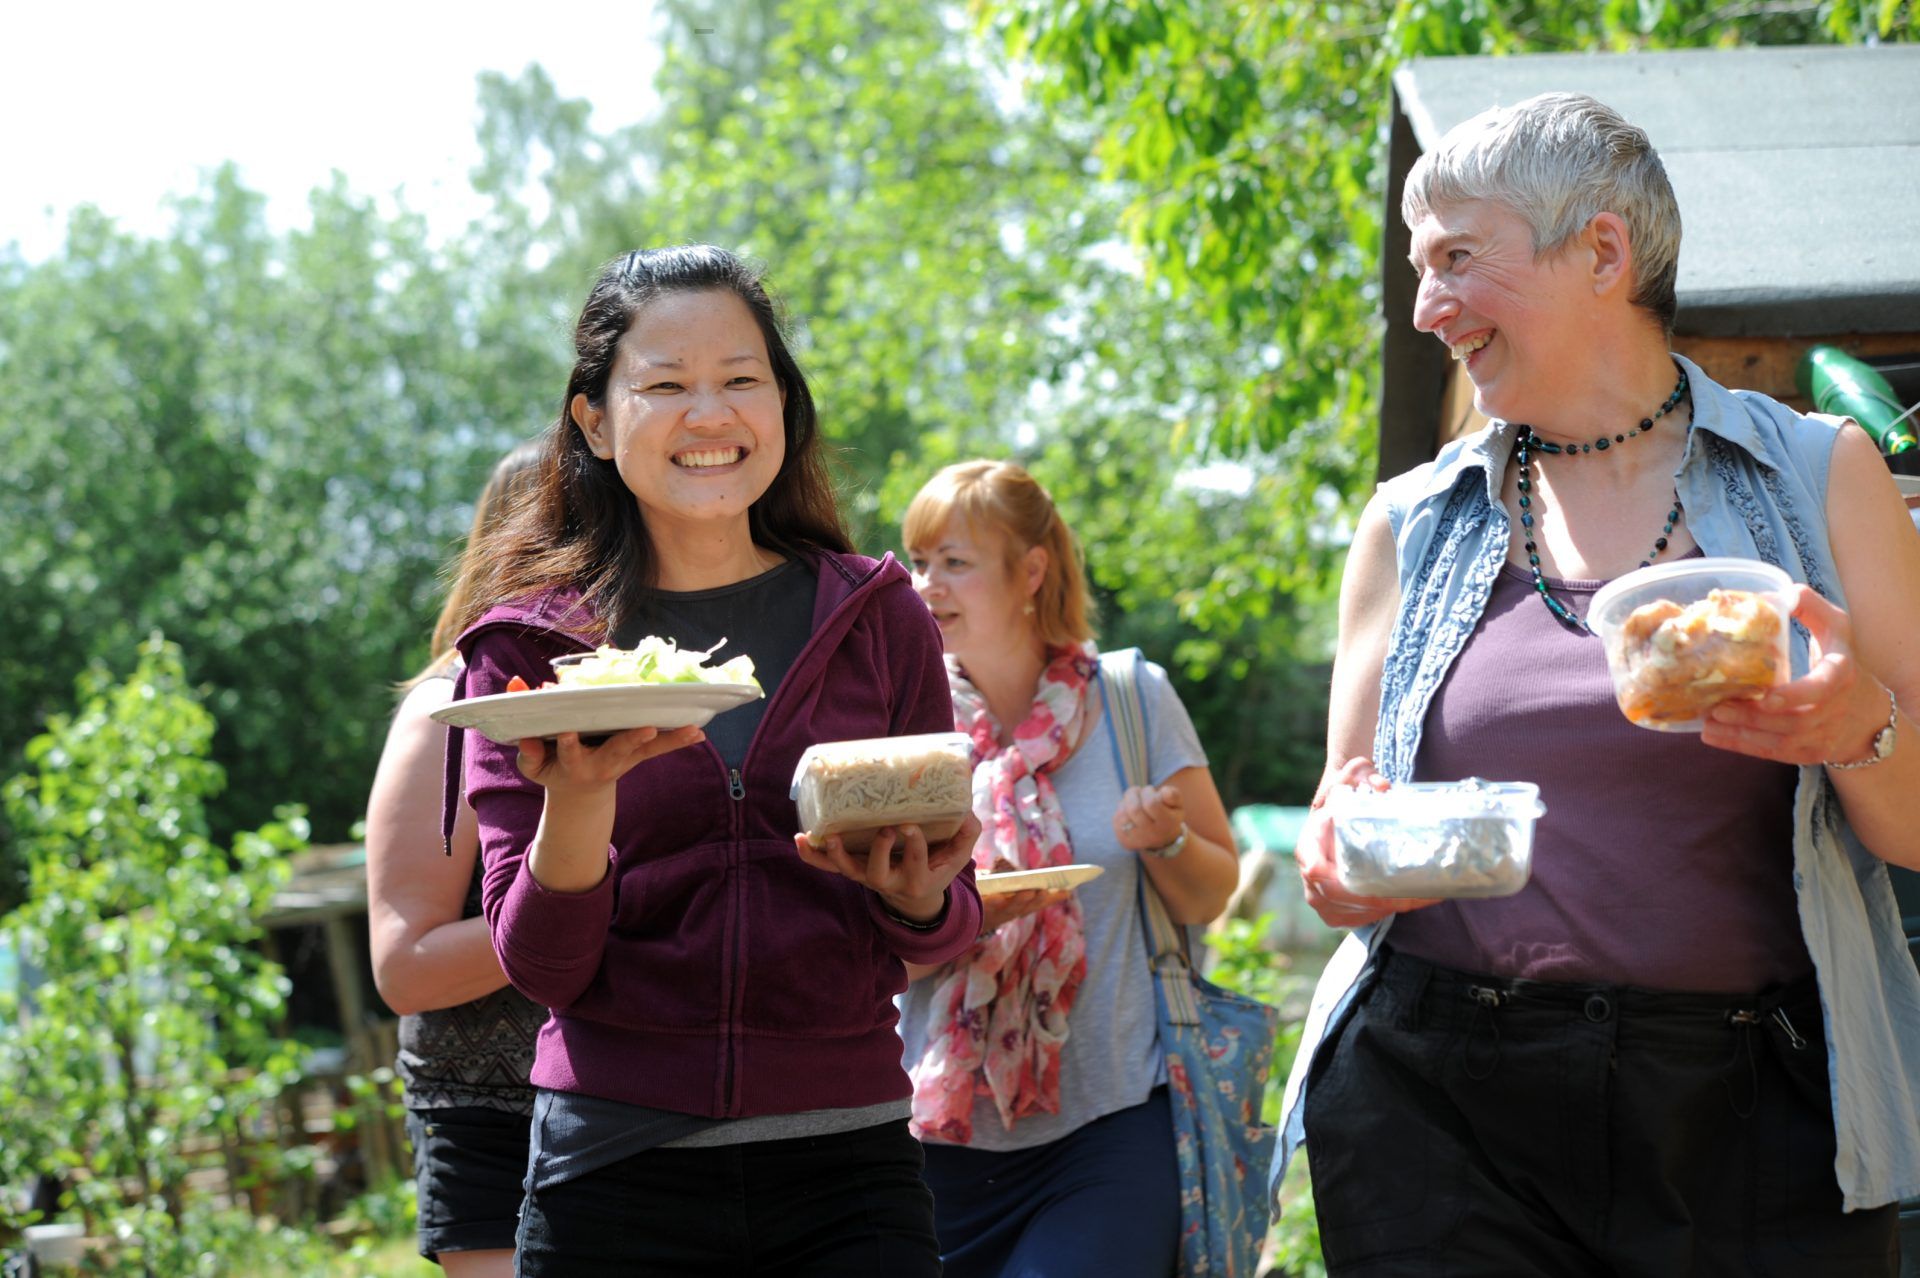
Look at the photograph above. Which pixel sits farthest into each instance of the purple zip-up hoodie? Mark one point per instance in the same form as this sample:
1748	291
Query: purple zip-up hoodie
712	971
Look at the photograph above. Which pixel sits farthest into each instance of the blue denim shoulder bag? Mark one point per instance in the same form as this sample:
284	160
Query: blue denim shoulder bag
1218	1045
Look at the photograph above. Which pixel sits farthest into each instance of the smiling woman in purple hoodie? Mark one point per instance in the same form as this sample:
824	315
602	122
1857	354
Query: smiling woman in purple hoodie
719	1085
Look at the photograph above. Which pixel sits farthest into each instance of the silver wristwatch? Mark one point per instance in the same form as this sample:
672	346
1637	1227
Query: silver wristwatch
1882	747
1169	850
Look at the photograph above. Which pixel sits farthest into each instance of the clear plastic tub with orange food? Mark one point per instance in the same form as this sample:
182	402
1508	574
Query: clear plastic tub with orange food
1685	636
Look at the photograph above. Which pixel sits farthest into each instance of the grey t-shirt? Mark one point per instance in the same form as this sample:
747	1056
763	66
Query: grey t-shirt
1112	1056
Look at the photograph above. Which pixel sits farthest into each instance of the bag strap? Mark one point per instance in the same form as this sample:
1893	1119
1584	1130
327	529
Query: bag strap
1167	943
1126	716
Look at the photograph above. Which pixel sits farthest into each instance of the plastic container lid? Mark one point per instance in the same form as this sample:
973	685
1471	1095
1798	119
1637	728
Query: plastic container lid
1683	580
1417	802
879	750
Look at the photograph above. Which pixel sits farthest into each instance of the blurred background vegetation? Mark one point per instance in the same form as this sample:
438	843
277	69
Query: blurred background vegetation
1135	245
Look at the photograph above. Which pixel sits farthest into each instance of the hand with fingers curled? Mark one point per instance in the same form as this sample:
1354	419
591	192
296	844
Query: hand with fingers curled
1314	854
565	767
1831	714
909	876
1149	816
1004	907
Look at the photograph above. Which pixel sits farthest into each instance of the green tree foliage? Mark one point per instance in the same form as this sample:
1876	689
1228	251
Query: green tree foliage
142	1045
1250	138
954	267
1147	242
259	443
858	154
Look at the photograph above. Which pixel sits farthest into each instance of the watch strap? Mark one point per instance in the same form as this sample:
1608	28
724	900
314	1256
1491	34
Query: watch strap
1167	851
1883	740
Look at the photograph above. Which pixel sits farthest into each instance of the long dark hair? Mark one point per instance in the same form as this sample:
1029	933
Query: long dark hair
580	526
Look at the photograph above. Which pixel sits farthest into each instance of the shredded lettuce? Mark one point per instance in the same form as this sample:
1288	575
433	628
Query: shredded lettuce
653	660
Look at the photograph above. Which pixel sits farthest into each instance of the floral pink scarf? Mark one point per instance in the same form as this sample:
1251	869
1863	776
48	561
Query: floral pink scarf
1001	1011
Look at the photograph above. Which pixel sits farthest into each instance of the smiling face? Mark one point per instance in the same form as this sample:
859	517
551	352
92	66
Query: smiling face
978	600
1519	322
691	417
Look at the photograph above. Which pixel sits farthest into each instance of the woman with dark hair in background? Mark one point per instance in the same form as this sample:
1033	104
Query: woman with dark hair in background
466	1038
719	1084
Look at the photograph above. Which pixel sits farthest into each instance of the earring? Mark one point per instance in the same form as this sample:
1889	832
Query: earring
1028	610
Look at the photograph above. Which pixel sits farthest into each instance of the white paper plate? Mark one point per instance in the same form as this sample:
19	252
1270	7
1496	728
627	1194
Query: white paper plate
1053	878
508	716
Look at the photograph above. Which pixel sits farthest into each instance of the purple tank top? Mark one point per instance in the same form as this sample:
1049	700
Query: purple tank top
1661	862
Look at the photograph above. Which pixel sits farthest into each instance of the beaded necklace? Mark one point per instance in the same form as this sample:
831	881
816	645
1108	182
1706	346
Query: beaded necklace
1527	443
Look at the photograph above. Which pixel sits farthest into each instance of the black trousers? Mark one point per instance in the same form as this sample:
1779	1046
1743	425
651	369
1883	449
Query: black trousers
849	1204
1467	1125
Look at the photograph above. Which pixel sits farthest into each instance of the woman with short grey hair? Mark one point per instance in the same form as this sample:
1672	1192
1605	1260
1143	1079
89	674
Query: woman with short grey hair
1691	1044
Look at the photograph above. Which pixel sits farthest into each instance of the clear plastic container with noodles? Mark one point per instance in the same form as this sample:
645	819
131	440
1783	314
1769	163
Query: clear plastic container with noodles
853	788
1685	636
1452	839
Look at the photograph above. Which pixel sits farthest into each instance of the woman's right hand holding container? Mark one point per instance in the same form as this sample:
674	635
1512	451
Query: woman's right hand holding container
1314	854
569	853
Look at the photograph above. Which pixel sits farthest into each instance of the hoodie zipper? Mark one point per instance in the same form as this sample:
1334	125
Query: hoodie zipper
855	596
736	985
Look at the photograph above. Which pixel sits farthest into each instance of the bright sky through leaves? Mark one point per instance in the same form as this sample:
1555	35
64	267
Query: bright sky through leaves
122	104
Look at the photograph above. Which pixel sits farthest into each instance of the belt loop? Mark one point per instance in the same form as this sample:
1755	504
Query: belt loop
1743	1022
1486	1001
1416	978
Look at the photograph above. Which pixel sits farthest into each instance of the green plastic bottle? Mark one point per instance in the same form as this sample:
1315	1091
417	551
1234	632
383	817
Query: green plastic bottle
1836	382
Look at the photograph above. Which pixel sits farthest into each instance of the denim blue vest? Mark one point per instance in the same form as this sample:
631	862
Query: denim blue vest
1754	484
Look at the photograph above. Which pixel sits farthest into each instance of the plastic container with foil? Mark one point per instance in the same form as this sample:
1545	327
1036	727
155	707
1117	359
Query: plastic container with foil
1685	636
1450	839
853	788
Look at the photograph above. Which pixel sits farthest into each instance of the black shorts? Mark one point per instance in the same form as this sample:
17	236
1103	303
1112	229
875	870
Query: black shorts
469	1166
846	1203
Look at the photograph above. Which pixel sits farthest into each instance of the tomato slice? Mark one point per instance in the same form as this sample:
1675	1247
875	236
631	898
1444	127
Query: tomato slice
517	684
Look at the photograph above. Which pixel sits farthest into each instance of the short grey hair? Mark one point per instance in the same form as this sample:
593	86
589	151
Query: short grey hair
1557	160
